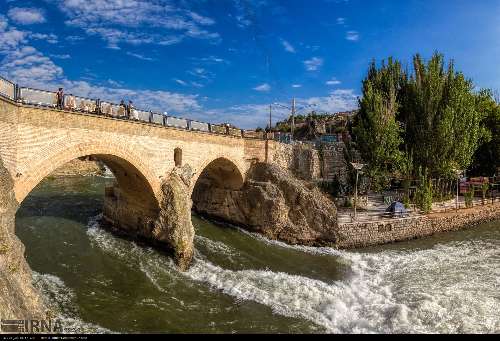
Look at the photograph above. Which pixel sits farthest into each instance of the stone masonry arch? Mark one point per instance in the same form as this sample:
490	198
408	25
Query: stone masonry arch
63	153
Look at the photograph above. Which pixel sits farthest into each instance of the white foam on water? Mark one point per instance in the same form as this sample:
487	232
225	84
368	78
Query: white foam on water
60	299
449	288
217	246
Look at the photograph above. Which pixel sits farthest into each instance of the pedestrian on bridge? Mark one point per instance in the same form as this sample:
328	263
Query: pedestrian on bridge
60	98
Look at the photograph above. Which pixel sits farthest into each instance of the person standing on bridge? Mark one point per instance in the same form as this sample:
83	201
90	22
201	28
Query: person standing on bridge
130	109
60	98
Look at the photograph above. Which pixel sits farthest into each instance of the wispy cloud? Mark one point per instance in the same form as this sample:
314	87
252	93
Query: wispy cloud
352	35
263	88
140	56
333	81
340	21
288	47
180	81
26	16
49	38
296	85
137	22
61	56
313	64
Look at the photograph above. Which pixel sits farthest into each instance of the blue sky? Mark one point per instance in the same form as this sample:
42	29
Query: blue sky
226	60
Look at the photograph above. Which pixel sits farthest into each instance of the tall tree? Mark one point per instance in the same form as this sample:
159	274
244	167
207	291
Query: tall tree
376	130
487	157
442	119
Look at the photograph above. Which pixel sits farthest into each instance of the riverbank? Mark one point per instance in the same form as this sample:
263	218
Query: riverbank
81	167
362	234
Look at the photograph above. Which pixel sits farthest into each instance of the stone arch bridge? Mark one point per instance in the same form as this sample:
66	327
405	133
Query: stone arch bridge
157	168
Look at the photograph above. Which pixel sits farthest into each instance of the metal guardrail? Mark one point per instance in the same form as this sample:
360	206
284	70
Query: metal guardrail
176	122
217	129
76	103
201	126
140	115
44	98
7	88
157	118
37	97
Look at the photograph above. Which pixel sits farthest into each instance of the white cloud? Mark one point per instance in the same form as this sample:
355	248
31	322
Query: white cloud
333	81
60	56
26	16
137	22
296	85
28	66
288	47
340	21
10	37
352	35
263	88
313	64
248	116
140	56
180	81
49	38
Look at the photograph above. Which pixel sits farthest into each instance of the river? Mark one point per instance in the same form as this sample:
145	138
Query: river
241	282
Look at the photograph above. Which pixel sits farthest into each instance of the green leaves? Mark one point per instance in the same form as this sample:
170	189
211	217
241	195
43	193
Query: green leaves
431	113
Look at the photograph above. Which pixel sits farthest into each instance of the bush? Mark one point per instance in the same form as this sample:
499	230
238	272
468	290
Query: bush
423	195
468	196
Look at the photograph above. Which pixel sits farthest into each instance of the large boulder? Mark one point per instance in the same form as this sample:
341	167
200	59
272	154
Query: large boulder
275	203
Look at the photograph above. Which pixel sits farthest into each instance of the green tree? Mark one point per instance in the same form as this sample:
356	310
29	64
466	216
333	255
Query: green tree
376	130
441	115
487	157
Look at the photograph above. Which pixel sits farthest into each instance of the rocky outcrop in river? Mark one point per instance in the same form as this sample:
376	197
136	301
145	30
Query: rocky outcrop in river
275	203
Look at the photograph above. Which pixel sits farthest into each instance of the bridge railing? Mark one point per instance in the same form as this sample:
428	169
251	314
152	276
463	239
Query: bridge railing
176	122
38	97
201	126
45	98
7	89
82	104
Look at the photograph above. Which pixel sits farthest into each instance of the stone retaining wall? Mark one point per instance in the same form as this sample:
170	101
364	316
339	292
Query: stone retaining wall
354	235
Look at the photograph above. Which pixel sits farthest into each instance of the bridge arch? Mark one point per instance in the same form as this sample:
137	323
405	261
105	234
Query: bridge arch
221	171
213	185
129	170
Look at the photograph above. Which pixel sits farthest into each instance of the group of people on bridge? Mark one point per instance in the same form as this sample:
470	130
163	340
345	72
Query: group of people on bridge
68	102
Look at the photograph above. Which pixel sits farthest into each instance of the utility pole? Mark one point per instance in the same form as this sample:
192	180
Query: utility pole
270	117
293	118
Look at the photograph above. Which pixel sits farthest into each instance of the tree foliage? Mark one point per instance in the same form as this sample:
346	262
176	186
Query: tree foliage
487	157
375	127
429	118
442	116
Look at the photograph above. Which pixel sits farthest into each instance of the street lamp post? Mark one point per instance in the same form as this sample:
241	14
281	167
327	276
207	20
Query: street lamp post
357	167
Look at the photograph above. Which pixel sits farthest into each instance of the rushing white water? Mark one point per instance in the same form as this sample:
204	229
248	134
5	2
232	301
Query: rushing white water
448	288
60	299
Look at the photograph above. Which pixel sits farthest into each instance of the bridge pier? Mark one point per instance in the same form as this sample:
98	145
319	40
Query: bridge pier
165	223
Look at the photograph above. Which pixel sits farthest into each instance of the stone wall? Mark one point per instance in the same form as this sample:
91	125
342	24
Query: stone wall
373	233
303	160
333	163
